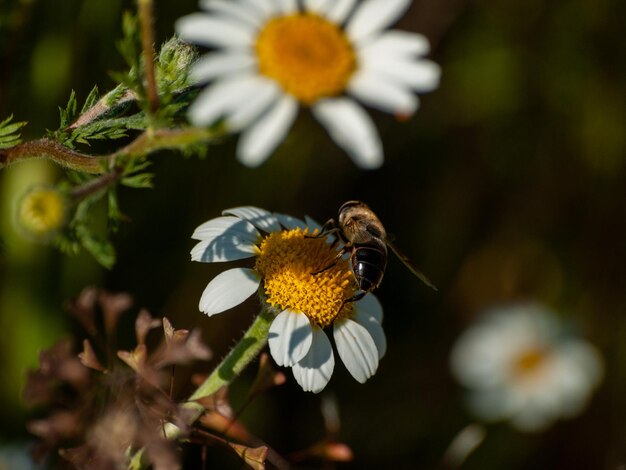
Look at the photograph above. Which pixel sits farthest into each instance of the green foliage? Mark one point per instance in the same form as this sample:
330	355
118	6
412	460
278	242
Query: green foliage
81	232
120	113
70	134
9	132
130	49
135	176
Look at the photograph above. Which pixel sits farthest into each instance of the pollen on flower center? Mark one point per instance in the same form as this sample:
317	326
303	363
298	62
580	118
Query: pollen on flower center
287	260
308	56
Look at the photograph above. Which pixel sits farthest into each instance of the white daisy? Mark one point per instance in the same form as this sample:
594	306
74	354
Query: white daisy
273	55
305	303
520	366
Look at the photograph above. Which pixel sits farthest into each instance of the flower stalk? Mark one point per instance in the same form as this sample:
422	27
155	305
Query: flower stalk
244	352
147	44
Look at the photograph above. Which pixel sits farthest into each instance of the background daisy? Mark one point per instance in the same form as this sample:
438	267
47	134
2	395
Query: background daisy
271	58
520	365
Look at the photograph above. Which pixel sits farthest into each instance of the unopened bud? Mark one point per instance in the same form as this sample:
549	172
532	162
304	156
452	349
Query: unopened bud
42	211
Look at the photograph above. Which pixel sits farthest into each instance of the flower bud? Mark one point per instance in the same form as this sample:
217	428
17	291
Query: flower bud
42	211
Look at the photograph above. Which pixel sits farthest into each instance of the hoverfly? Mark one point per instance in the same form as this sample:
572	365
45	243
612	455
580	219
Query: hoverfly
364	237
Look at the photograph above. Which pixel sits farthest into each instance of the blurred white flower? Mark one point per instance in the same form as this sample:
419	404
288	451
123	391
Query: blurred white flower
272	56
521	366
284	262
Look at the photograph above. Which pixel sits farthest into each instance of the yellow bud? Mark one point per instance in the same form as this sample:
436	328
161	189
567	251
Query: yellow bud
41	211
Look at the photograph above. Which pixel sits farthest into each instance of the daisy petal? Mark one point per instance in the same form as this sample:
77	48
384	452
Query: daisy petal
229	226
260	140
314	371
233	9
383	94
260	218
374	328
371	306
287	6
423	75
222	248
267	94
228	290
225	95
224	239
216	64
316	6
397	43
373	16
356	349
351	128
290	337
290	222
312	223
205	30
266	8
338	10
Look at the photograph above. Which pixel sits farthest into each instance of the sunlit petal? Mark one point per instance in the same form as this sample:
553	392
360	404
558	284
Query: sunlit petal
383	94
396	43
356	349
228	289
352	129
217	64
338	10
233	227
260	218
372	16
262	138
290	337
232	9
213	31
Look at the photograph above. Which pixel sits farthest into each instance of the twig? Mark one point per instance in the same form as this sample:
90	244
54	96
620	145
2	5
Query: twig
147	44
146	143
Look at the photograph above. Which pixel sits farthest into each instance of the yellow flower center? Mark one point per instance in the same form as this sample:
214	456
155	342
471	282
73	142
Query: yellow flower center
287	260
310	57
529	361
42	211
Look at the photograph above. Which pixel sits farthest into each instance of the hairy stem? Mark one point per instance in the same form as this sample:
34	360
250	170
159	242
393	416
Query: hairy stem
102	182
147	44
146	143
244	352
52	150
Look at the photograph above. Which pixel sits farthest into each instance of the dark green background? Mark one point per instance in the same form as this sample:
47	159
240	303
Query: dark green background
508	184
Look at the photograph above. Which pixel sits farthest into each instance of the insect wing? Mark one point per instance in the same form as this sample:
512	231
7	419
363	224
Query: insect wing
407	262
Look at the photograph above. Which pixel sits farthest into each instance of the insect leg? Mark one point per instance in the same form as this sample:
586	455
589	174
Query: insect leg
354	298
334	262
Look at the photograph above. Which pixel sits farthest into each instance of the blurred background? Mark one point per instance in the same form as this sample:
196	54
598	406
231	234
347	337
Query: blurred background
509	183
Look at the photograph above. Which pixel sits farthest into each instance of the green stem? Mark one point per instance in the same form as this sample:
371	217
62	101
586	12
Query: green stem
244	352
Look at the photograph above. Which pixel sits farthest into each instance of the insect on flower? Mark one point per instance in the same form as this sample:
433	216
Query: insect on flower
365	238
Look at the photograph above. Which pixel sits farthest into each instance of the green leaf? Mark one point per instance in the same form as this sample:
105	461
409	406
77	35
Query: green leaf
68	113
102	250
9	132
91	100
